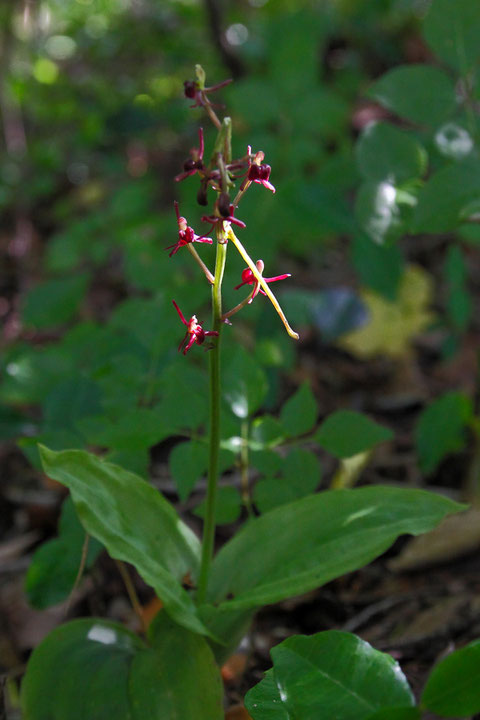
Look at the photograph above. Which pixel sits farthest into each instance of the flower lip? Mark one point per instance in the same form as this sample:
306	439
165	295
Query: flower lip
214	219
193	91
248	278
194	163
195	332
186	234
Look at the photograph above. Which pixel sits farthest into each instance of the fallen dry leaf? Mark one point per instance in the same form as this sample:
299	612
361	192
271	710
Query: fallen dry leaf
455	536
237	712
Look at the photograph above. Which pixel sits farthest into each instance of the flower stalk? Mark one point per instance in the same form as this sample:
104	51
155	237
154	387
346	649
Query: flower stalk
263	284
214	438
220	175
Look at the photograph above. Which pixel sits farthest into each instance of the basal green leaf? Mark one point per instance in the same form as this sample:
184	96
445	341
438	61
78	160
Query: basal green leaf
244	382
266	432
396	713
300	546
188	461
264	702
86	666
346	433
300	475
385	153
444	201
55	564
134	522
70	400
331	674
378	211
379	267
54	302
452	30
441	429
299	413
452	690
177	678
228	506
97	669
422	94
459	301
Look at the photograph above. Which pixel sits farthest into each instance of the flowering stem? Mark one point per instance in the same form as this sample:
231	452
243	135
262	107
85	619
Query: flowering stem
211	112
215	395
199	260
244	461
261	281
241	193
238	307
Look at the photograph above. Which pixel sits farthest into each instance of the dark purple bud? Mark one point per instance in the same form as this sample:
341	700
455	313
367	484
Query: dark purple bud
202	195
189	165
224	204
190	89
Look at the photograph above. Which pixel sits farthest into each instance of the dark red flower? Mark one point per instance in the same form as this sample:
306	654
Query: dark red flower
248	278
195	333
193	91
186	234
222	217
195	162
258	171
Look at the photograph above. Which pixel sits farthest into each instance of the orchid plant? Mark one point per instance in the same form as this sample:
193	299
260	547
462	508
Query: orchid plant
94	668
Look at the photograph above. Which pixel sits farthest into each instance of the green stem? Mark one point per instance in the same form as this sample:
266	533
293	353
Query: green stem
215	395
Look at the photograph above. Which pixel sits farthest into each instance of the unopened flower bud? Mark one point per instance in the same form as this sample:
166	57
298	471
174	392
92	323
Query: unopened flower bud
189	165
224	204
202	195
190	89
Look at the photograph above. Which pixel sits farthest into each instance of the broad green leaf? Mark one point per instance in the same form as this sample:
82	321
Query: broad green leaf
266	432
452	30
385	153
177	678
267	462
446	199
187	461
244	382
459	301
138	428
14	423
70	400
228	506
96	669
299	413
55	564
379	267
228	626
346	433
300	546
333	674
264	702
378	211
54	302
393	713
393	325
422	94
301	473
184	397
86	665
134	522
441	429
452	690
